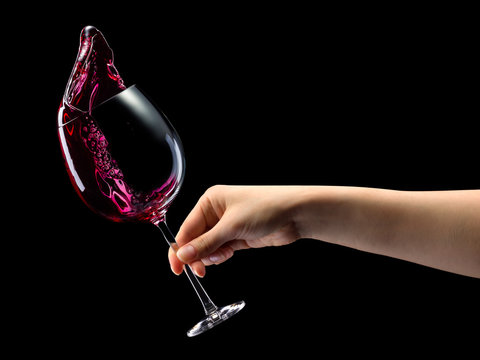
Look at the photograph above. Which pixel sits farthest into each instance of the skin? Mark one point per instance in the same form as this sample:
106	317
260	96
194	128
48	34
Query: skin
439	229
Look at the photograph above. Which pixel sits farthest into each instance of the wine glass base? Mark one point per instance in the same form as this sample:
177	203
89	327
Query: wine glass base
216	317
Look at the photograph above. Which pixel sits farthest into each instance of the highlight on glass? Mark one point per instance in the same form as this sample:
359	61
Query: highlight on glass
124	158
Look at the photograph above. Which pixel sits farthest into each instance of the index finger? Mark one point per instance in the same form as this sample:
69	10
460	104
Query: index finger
201	219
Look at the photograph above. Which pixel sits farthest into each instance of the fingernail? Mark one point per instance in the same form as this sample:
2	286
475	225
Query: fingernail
215	258
198	274
186	253
171	268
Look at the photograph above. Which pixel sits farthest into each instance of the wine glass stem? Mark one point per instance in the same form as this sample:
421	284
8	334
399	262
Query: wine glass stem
207	303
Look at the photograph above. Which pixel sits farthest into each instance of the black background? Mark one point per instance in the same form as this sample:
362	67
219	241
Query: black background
279	95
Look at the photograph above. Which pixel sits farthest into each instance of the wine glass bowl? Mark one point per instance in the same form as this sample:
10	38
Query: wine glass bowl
125	159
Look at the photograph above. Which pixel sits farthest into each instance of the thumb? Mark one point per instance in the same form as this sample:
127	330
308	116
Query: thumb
205	244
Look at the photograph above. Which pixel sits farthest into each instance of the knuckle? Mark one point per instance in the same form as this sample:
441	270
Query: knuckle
215	190
238	229
204	246
212	203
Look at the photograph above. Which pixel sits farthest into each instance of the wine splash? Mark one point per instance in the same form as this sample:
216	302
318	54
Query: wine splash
95	167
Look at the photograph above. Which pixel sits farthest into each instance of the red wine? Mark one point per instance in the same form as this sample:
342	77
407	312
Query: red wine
109	174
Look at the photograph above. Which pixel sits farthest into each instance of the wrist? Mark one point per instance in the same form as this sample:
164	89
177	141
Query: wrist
314	209
332	213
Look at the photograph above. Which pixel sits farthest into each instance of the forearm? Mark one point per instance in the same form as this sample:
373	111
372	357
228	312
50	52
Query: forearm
440	229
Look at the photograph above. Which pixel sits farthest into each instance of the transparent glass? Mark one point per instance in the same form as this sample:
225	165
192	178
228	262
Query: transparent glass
126	162
214	314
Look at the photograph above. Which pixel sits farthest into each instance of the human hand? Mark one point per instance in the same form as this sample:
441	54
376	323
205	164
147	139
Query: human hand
230	218
435	228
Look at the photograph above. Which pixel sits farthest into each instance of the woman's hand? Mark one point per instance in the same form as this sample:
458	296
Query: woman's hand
230	218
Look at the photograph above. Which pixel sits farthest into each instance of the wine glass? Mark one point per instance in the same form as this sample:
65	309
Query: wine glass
126	162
